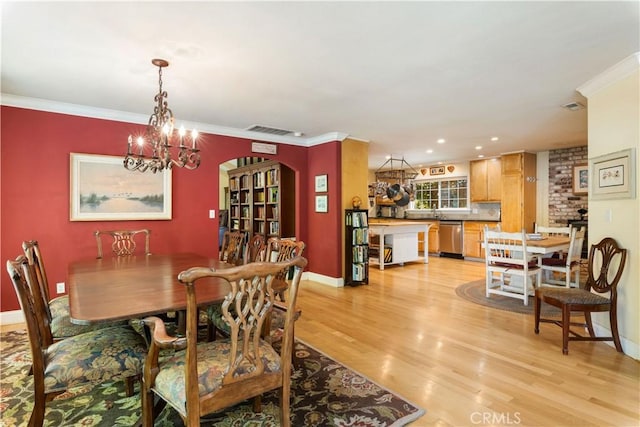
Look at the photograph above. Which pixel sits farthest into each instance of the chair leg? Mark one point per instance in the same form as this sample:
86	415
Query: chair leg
537	302
285	420
587	318
566	318
613	319
129	384
37	414
148	417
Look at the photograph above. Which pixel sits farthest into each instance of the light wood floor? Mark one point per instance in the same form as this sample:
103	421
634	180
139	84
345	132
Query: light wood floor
466	364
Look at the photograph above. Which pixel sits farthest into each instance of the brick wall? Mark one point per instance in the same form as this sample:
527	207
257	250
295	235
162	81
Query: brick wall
563	204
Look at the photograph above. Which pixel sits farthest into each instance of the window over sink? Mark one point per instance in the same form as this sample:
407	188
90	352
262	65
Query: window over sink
442	194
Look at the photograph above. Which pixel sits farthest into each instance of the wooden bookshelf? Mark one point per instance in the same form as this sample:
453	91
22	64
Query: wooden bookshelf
262	199
356	246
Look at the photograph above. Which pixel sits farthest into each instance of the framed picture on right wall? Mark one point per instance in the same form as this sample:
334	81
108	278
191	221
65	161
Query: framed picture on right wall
613	176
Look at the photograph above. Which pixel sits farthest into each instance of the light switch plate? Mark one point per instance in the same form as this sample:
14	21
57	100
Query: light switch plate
212	213
60	287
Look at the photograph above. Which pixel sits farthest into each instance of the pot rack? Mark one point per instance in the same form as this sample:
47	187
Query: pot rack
402	173
393	171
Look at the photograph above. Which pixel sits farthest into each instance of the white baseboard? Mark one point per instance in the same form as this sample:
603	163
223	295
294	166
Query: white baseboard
325	280
629	347
11	317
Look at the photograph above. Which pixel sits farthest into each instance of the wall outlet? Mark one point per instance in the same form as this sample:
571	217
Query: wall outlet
212	213
60	287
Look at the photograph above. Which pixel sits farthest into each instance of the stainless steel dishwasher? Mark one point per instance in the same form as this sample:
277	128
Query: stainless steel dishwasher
450	236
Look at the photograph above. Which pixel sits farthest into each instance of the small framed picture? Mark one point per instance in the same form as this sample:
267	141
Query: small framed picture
321	184
580	179
322	203
613	176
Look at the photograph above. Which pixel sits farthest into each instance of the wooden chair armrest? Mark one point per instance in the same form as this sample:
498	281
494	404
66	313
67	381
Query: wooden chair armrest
160	337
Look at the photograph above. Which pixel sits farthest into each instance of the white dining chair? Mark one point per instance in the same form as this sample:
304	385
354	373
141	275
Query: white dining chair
509	270
566	265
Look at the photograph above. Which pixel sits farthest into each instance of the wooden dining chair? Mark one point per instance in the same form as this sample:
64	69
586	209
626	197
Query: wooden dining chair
233	247
509	270
56	310
256	248
204	377
276	250
545	231
568	264
606	264
282	249
106	354
123	242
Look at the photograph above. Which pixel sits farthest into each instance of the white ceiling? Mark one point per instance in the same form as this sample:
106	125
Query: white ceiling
397	74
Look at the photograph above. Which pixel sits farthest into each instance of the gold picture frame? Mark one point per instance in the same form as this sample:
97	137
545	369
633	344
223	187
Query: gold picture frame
103	190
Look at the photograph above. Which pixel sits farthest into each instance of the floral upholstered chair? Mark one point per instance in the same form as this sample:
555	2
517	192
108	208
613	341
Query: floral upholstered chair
106	354
56	309
204	377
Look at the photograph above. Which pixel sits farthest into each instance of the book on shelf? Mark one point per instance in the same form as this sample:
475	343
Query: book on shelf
357	219
272	177
360	254
258	180
360	236
273	195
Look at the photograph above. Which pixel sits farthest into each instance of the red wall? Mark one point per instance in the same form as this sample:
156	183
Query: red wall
34	198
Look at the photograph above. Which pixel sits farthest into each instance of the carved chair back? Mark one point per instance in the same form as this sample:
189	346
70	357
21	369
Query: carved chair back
123	241
233	247
248	366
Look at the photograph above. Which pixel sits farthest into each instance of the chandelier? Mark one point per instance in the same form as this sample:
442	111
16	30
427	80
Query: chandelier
161	136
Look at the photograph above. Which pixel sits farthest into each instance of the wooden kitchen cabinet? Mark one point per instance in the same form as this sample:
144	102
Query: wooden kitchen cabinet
434	241
473	237
485	178
518	205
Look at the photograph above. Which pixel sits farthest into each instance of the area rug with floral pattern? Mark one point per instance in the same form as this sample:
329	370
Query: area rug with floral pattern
324	393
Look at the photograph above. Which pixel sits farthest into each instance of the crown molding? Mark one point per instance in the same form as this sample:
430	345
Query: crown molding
122	116
613	74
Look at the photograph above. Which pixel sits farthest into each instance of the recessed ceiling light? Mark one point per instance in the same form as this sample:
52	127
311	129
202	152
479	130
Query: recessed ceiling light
441	141
429	151
494	138
478	147
480	156
387	157
440	163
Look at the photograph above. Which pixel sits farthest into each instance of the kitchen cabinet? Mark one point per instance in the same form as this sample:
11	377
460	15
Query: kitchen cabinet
485	178
434	244
518	205
473	237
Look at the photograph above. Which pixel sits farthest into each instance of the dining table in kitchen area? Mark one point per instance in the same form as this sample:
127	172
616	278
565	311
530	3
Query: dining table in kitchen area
121	288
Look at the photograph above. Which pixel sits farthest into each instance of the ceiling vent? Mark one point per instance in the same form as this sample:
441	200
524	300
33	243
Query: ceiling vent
573	106
269	130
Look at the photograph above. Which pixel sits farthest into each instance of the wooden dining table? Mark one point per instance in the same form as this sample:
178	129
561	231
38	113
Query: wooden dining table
548	245
120	288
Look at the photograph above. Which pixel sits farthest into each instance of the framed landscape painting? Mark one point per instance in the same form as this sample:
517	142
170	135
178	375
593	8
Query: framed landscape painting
103	190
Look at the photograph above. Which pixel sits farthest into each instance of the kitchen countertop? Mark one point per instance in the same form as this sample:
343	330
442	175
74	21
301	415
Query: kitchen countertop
382	220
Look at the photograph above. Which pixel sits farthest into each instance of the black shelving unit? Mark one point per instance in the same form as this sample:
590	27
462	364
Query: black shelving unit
356	247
